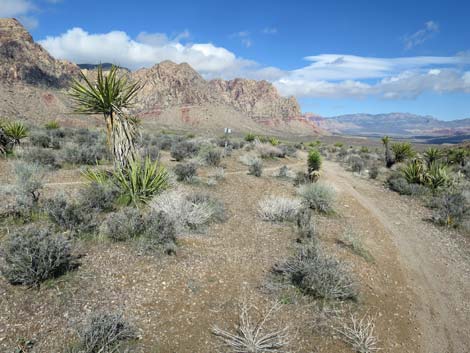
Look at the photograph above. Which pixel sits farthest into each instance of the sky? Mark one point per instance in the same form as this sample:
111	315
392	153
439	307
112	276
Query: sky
335	57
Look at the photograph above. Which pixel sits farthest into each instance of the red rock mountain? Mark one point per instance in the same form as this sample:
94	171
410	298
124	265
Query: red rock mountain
33	83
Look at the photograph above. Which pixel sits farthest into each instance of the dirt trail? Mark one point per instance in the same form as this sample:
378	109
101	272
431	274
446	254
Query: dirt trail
435	268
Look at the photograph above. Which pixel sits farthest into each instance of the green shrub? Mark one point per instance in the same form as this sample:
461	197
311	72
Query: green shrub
274	141
141	180
314	161
318	275
414	172
437	176
339	144
185	172
52	125
373	172
33	255
398	183
318	197
432	155
402	151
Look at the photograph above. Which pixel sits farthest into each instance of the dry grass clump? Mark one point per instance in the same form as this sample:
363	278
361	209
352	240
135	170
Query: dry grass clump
269	151
317	274
359	334
104	333
189	211
253	336
352	242
32	255
318	197
279	209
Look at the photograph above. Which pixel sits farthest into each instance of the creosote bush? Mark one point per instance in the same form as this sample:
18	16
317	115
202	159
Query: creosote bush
84	154
256	168
123	225
213	157
278	209
98	197
452	209
318	275
45	157
183	149
318	197
33	255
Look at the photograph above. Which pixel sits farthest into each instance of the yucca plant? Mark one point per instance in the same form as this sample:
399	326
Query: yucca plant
389	161
437	175
402	151
313	161
414	172
431	155
16	131
274	141
52	125
250	137
97	176
110	95
141	180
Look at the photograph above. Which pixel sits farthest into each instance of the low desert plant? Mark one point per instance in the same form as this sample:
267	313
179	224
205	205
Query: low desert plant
402	151
314	161
123	225
183	149
256	167
45	157
356	163
212	157
250	137
98	197
437	176
84	154
159	233
353	243
141	180
40	139
185	171
16	131
305	226
274	141
317	274
278	209
359	334
33	255
373	172
414	172
104	333
431	155
451	209
318	197
253	336
52	125
266	151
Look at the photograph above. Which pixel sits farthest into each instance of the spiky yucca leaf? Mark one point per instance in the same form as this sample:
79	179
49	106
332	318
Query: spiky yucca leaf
437	175
97	176
16	131
431	155
141	180
414	172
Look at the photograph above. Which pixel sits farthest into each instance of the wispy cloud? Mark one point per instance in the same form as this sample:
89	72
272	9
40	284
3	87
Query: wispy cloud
324	75
269	30
24	10
244	37
430	29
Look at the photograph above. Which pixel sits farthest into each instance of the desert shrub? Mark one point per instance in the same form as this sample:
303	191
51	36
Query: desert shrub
356	163
52	125
212	157
41	156
183	149
141	180
398	183
256	168
373	172
150	151
451	209
98	197
33	255
40	139
185	171
278	209
301	178
84	154
313	161
466	170
189	212
318	197
268	151
402	151
360	335
288	150
104	333
339	144
343	152
26	191
68	215
304	224
285	173
317	274
159	233
431	155
273	141
123	225
84	136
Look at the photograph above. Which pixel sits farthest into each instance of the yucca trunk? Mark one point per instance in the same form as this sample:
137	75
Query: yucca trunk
120	135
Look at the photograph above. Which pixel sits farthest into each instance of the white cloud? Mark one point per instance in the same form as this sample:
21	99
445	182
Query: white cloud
422	35
325	75
14	8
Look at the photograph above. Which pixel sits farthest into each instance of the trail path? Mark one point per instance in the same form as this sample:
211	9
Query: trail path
436	269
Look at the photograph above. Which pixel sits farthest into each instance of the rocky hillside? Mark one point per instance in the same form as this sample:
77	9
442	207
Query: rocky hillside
33	83
22	60
394	124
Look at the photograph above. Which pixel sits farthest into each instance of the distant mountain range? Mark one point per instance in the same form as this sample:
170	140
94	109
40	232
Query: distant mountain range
393	124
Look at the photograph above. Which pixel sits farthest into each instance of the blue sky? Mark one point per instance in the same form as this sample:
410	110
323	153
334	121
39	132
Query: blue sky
335	57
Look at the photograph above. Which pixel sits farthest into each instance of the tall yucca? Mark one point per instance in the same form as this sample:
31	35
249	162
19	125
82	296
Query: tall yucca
110	95
388	155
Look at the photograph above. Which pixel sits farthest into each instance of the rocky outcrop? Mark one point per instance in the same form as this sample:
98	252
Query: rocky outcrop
168	85
24	61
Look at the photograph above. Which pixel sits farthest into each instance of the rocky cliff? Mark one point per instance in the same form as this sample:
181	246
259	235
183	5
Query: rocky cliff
22	60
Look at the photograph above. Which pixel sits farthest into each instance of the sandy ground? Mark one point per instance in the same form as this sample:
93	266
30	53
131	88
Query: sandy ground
417	287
